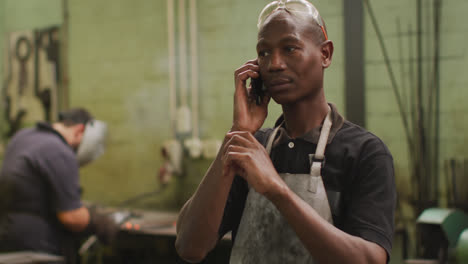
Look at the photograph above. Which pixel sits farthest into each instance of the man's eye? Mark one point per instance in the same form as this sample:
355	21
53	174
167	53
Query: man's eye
262	53
290	49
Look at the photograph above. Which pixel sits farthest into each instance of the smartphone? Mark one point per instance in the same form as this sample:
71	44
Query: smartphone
258	89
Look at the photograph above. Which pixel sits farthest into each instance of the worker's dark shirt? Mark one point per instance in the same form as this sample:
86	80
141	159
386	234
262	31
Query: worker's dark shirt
358	176
42	175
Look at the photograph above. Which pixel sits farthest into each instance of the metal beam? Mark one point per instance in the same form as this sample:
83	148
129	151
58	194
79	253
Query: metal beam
354	62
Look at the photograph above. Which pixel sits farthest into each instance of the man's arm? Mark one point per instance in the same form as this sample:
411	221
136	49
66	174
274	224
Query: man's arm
62	174
326	243
75	220
200	217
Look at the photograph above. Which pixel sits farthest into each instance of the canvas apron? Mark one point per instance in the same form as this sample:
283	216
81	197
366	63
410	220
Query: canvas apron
264	236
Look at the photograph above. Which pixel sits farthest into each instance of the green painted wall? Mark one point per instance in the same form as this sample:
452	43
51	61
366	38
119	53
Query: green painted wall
30	14
382	115
25	15
118	61
119	69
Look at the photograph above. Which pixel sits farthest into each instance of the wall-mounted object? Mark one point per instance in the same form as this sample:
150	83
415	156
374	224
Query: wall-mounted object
32	78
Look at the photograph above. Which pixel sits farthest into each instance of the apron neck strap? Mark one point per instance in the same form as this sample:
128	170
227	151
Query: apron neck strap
324	133
272	138
318	158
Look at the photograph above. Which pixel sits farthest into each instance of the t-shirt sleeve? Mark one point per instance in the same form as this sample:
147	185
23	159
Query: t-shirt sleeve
370	213
61	170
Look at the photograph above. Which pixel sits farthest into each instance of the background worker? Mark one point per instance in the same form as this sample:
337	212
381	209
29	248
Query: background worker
42	208
316	188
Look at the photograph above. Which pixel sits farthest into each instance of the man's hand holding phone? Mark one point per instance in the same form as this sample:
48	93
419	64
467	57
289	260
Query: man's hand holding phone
250	108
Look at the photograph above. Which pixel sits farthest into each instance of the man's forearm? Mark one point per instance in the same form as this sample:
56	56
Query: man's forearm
199	219
326	243
74	220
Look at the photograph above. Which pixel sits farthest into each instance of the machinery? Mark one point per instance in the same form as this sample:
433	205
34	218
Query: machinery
461	250
443	236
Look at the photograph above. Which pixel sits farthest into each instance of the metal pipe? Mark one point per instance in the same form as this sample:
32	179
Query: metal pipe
412	84
437	14
194	66
412	80
420	110
183	54
402	67
65	78
172	65
391	74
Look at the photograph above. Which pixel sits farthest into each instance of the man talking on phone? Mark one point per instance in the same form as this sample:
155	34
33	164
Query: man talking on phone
315	188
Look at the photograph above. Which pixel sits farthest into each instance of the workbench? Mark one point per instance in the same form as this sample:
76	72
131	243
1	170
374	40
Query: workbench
149	237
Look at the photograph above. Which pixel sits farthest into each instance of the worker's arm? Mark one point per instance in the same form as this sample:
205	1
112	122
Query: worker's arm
75	220
62	172
326	243
200	217
89	221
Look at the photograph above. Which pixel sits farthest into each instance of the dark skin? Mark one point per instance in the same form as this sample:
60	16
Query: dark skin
291	64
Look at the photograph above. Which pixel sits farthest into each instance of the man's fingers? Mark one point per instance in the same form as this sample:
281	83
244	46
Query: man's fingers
229	167
243	76
243	134
227	171
239	140
234	148
234	162
248	70
232	134
250	65
253	61
235	142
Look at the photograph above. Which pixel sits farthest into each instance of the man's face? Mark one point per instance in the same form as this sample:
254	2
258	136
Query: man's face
290	60
76	135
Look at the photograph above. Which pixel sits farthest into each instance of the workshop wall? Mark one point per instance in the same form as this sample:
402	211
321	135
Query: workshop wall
20	16
383	117
119	70
23	15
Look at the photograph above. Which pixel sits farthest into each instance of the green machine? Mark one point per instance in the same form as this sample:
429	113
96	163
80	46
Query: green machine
461	250
443	235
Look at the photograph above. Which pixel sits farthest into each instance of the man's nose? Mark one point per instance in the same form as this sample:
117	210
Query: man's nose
276	62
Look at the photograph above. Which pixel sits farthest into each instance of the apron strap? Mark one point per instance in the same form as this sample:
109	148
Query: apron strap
319	156
272	138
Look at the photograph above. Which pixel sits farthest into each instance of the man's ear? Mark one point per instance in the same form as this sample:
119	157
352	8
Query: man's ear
79	129
327	53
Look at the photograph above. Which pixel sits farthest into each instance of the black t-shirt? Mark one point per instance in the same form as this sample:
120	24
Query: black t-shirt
42	175
358	177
